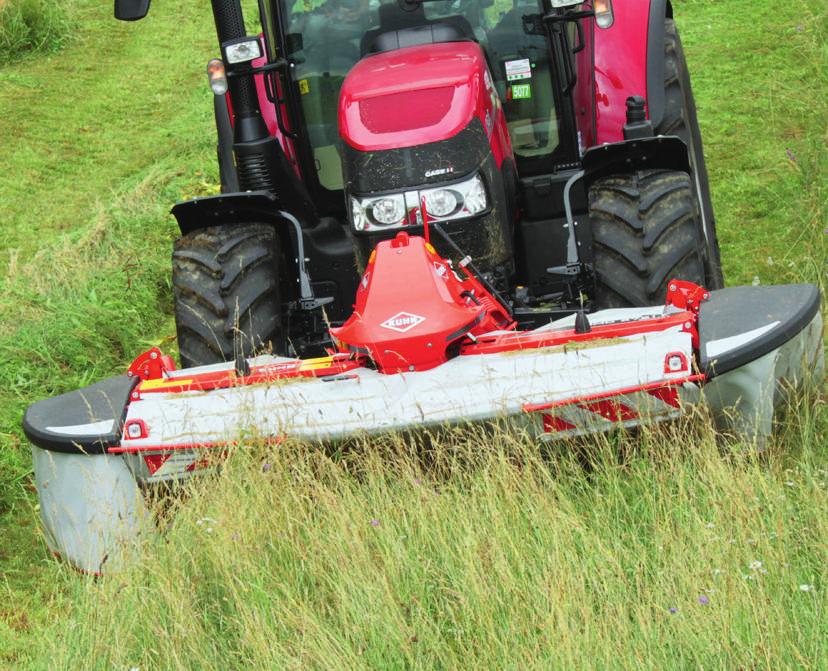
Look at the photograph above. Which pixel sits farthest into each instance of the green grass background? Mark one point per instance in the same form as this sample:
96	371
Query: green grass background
483	555
33	26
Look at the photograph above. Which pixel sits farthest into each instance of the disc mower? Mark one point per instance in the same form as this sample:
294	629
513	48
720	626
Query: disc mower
432	212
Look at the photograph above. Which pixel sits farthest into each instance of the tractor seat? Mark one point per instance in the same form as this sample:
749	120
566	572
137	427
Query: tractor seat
399	28
433	33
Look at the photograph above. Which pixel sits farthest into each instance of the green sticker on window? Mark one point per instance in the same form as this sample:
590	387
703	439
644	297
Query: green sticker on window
521	91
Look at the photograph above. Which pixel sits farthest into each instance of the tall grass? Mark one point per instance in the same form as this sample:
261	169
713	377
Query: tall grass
478	550
28	26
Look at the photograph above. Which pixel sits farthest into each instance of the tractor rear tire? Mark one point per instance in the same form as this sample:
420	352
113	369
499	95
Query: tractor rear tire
680	119
646	231
226	293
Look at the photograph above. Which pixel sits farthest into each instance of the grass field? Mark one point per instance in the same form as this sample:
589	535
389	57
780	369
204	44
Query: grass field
33	26
484	555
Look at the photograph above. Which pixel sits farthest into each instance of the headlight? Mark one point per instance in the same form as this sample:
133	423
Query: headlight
446	203
475	199
242	50
388	211
456	201
357	215
440	202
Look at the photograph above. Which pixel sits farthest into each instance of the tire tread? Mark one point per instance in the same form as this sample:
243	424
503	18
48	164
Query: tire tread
640	244
226	293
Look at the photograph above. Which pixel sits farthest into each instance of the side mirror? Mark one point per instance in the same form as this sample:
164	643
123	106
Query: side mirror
131	10
293	43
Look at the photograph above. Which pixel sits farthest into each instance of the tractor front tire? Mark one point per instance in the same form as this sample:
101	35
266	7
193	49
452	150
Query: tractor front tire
680	119
226	293
646	231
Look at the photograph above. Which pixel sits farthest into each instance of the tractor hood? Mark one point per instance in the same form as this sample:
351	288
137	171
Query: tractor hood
414	96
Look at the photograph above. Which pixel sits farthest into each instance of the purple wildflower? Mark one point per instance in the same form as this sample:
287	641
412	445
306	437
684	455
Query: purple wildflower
266	467
673	610
704	600
790	154
374	522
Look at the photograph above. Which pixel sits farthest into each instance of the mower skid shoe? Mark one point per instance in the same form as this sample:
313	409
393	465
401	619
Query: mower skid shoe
758	344
92	510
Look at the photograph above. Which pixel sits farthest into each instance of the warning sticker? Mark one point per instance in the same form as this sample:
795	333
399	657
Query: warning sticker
521	91
304	86
520	69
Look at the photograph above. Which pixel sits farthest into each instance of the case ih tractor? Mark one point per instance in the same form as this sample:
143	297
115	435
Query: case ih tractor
554	143
506	193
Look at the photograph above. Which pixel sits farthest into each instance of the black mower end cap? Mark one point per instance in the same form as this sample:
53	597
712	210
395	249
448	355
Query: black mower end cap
86	421
741	324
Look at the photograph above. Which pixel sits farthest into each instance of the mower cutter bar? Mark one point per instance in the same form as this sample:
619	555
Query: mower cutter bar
179	411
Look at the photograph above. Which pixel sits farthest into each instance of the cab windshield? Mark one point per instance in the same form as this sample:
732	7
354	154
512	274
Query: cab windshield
335	34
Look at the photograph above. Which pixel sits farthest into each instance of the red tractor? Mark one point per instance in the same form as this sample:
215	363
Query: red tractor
555	143
476	178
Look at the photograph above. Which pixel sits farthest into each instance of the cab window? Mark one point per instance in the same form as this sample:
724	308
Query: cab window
332	40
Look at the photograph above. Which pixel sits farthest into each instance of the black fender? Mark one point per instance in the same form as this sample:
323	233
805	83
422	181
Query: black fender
242	207
664	152
660	10
229	209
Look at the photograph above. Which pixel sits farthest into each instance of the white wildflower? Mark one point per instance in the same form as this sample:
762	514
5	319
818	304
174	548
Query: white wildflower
756	281
806	588
755	565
